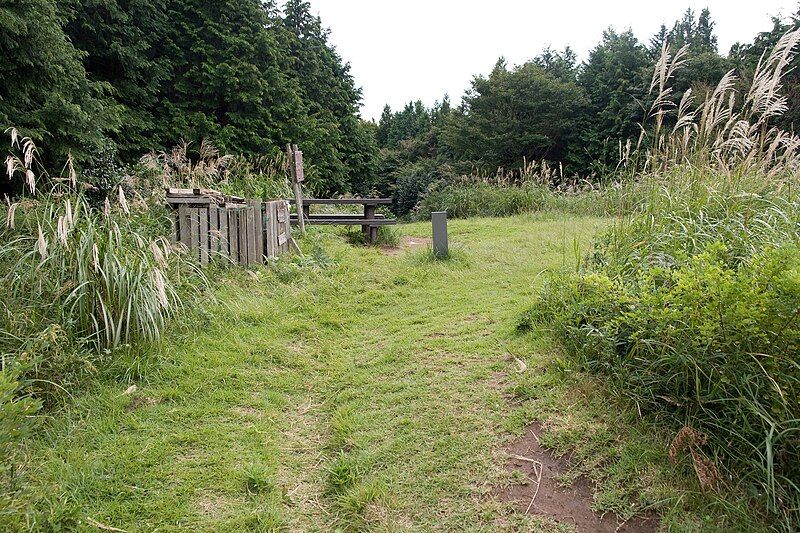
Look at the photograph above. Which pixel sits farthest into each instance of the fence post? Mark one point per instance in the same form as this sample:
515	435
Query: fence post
296	169
439	220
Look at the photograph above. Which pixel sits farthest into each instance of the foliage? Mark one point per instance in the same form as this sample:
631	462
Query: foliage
44	90
146	74
17	417
614	81
689	304
388	236
248	177
513	115
79	281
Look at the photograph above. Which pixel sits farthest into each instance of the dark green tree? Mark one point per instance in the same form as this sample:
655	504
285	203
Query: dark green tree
560	65
512	115
615	79
341	152
745	57
704	66
384	125
123	44
44	90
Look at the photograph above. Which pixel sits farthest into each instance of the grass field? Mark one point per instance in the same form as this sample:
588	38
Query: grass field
374	393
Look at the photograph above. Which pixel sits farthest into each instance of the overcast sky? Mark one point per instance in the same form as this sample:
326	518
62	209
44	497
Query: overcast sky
403	50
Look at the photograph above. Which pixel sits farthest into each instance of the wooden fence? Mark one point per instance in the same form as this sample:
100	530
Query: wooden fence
245	232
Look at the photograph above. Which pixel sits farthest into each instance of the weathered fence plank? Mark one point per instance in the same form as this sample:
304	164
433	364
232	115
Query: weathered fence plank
258	227
233	235
213	230
203	214
242	222
245	232
194	232
251	234
224	237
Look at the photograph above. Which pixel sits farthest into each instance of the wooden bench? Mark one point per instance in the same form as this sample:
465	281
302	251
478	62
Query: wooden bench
369	220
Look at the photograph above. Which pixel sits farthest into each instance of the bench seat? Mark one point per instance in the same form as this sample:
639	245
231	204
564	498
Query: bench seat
351	221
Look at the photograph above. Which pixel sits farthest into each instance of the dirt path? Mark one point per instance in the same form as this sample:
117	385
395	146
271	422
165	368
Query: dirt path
543	495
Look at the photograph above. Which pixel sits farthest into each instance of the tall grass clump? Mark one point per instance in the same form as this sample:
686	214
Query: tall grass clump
690	304
262	177
528	190
79	280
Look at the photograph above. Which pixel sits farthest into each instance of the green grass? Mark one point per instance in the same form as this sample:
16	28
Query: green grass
376	392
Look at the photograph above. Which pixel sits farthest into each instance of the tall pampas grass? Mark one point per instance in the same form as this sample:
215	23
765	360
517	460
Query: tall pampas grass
99	274
728	133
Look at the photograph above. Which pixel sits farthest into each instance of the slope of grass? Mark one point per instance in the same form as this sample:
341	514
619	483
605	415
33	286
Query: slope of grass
374	393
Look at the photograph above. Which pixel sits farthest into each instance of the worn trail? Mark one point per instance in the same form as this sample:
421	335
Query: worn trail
366	394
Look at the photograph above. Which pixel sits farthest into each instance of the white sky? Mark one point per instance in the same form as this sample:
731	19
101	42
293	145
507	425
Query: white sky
402	50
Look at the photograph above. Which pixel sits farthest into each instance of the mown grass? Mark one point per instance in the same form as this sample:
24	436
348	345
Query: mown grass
363	391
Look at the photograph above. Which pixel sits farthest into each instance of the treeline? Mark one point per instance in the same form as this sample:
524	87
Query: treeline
577	116
107	81
114	79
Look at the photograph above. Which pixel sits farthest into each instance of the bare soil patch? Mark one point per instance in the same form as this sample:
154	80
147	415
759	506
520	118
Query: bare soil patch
407	243
213	505
543	495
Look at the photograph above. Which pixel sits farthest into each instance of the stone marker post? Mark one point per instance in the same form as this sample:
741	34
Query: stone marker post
439	220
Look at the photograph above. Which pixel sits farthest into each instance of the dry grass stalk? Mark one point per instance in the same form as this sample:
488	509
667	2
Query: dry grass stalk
726	132
688	438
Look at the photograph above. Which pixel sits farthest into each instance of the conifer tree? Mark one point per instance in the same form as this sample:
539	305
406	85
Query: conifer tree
44	91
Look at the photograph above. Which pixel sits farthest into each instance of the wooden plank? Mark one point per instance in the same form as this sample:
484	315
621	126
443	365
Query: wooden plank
233	235
194	232
346	201
297	178
352	222
268	221
222	215
258	225
184	225
194	200
241	215
203	213
251	235
369	214
173	224
285	225
335	215
288	207
300	174
213	231
272	230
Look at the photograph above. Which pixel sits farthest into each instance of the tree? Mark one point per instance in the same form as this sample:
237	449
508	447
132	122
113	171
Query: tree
239	73
615	79
512	115
560	65
44	91
123	44
703	67
340	150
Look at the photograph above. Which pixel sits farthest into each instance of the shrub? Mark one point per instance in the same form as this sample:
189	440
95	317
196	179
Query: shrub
17	412
690	305
707	345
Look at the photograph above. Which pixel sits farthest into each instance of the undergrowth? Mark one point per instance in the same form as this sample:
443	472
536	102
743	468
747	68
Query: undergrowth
690	304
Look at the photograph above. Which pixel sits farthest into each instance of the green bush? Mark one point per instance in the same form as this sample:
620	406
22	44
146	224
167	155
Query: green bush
499	200
483	200
690	306
17	412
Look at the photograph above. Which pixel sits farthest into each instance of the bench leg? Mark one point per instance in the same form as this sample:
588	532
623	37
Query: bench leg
369	213
373	234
